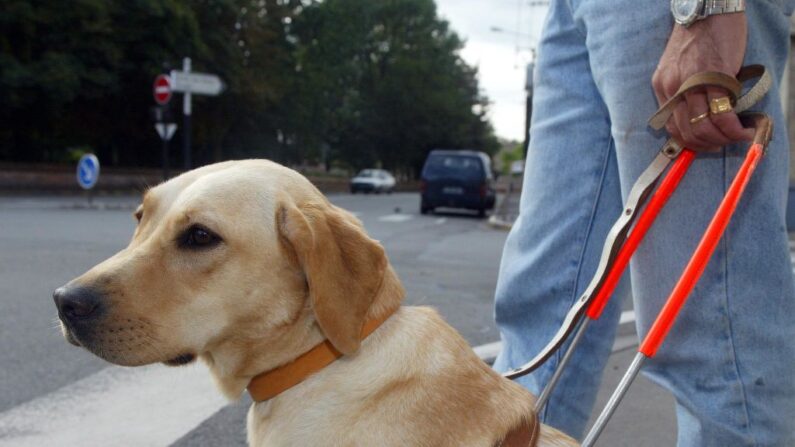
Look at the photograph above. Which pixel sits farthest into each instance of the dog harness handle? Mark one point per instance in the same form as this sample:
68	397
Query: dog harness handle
695	267
620	244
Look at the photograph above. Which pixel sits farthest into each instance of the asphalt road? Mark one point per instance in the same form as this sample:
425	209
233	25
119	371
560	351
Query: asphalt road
448	261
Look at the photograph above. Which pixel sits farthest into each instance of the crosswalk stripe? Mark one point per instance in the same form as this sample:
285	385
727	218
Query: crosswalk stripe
146	406
395	217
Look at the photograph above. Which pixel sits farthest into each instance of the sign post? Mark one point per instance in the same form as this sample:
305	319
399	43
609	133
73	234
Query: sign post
162	91
88	173
166	131
190	83
186	111
165	128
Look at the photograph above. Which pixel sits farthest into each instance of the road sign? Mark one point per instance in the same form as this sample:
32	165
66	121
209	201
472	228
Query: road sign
88	171
188	83
162	89
166	130
196	83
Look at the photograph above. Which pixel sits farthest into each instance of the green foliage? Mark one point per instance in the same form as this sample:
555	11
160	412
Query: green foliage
347	82
384	83
507	157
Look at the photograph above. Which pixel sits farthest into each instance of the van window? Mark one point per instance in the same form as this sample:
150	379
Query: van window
458	166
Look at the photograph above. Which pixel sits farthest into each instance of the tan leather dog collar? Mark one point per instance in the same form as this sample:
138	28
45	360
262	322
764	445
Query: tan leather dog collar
271	383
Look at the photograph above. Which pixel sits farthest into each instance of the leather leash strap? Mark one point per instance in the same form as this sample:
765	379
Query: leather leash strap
645	184
271	383
525	435
733	87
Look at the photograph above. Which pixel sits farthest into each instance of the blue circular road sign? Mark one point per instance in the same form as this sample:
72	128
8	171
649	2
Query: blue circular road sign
88	171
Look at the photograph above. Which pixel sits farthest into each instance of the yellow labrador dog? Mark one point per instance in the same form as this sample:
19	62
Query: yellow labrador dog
247	266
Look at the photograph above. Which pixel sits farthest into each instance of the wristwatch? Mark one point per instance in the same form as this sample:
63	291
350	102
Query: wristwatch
687	12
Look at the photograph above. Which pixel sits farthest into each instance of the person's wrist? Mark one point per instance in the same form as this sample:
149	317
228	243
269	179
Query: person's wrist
687	13
722	22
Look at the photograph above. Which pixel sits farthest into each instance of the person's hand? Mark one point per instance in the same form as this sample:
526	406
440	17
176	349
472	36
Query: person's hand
714	44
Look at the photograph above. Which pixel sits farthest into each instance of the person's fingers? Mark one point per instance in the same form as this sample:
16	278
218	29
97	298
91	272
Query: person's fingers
707	132
727	122
700	125
681	119
672	130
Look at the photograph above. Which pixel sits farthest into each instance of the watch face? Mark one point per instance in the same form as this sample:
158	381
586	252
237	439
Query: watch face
685	11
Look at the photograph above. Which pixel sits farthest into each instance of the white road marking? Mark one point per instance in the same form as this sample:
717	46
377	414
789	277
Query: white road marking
146	406
396	217
441	220
489	350
628	316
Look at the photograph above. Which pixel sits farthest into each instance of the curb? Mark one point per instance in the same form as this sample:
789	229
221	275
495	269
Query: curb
499	223
497	220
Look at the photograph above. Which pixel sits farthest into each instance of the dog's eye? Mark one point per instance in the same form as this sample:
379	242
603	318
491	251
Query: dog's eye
197	237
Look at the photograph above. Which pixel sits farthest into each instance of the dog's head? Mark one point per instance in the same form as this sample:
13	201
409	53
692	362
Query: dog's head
233	254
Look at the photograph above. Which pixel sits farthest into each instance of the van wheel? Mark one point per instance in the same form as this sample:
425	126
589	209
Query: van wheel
425	209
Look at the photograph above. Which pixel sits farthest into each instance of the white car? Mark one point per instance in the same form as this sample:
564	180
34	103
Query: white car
373	180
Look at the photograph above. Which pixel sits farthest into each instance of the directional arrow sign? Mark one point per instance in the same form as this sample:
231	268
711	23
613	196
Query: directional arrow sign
166	130
88	171
196	83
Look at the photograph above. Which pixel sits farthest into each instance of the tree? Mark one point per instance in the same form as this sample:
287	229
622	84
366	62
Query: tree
383	83
357	83
77	73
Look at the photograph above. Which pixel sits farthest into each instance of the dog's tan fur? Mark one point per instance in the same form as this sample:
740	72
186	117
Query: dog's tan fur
291	270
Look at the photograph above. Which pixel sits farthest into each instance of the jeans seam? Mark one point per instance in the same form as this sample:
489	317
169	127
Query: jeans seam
581	257
577	26
735	366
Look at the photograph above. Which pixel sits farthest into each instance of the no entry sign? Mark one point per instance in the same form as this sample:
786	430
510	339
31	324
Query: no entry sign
162	89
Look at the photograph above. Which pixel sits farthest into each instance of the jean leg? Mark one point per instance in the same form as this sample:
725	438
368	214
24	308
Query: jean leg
570	198
730	356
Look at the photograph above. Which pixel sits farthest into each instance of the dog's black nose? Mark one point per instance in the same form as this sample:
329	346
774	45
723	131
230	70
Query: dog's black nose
76	303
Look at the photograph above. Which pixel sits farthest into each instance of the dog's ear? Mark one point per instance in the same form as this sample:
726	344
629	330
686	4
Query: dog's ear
343	266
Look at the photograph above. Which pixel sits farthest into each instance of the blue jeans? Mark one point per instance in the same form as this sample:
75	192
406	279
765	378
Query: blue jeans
730	359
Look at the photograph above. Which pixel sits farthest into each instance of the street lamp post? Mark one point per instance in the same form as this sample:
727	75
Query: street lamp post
528	87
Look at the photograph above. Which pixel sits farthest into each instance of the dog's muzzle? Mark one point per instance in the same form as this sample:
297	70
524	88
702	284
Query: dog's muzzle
79	308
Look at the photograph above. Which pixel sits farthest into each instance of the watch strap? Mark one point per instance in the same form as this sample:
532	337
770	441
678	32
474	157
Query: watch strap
715	7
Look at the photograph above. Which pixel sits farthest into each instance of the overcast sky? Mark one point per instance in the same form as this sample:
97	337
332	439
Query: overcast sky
501	67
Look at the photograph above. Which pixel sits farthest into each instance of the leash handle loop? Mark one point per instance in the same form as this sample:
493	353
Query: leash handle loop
732	85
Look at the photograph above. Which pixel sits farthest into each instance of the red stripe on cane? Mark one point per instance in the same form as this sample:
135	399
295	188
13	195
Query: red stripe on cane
645	220
698	262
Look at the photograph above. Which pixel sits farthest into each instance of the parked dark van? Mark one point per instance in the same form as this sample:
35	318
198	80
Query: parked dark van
457	179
